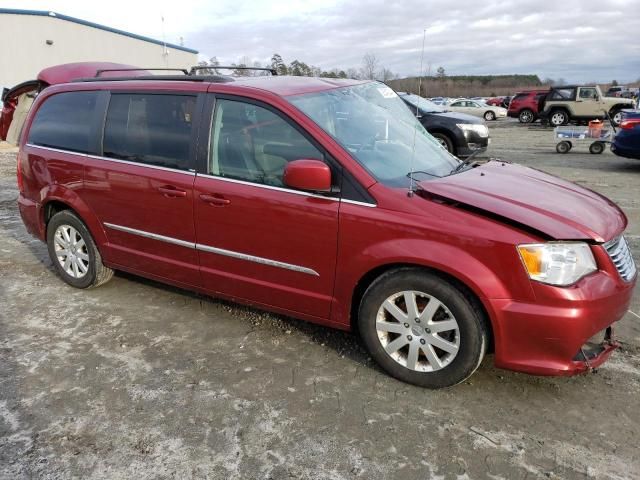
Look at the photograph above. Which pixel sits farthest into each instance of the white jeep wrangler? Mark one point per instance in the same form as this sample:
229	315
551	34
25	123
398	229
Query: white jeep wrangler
581	103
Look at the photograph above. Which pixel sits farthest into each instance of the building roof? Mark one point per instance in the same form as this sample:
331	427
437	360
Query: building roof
59	16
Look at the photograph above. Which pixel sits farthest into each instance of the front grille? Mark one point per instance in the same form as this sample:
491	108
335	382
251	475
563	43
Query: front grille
618	250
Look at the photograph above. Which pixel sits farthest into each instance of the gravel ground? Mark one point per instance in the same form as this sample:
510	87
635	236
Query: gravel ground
139	380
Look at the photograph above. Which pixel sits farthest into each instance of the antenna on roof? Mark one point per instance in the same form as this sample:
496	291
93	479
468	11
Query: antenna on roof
165	52
415	130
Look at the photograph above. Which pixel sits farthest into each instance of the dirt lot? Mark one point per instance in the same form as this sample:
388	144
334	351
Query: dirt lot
139	380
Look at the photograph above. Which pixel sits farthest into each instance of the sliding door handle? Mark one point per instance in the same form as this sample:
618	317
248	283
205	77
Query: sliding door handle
170	191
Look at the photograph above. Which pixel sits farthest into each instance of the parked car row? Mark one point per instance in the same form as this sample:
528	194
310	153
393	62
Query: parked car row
623	91
557	105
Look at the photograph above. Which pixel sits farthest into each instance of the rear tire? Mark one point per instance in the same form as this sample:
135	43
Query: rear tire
596	148
422	329
445	141
74	253
526	116
489	116
558	118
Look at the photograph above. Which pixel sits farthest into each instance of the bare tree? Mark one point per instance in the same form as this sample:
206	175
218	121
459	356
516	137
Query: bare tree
370	64
386	75
353	73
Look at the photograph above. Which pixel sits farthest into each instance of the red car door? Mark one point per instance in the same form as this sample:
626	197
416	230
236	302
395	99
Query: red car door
258	240
141	186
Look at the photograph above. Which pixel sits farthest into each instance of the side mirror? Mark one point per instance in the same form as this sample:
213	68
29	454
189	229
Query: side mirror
306	174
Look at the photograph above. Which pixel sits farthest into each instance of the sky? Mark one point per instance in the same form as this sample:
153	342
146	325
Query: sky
576	40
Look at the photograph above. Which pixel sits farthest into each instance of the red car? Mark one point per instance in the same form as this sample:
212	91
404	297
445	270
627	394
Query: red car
326	200
525	105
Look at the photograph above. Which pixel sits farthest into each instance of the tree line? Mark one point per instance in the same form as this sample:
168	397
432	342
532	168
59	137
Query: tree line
370	68
442	85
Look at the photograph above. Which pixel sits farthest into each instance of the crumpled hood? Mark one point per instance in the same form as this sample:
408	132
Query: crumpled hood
548	204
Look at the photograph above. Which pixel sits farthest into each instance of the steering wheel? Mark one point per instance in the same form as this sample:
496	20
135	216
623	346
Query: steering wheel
370	142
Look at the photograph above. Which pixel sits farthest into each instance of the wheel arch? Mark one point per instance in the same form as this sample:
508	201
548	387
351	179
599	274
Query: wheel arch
619	106
446	133
58	199
370	276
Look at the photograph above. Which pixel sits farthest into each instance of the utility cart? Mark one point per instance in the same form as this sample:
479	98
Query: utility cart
594	134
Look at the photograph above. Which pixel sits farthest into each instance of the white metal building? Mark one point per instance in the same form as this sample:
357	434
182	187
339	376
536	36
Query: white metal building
31	40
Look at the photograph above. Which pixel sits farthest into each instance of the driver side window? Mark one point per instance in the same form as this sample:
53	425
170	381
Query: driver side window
251	143
588	93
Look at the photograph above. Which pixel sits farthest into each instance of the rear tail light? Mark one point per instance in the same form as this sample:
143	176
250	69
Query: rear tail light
19	171
630	124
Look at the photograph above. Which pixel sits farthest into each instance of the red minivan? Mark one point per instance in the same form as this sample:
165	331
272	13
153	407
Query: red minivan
326	200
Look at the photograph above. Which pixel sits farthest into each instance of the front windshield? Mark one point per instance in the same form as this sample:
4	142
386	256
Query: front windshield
422	103
377	128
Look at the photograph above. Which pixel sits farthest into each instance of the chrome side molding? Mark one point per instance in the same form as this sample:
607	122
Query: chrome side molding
214	250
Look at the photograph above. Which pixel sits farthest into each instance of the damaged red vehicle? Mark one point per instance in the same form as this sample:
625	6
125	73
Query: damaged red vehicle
326	200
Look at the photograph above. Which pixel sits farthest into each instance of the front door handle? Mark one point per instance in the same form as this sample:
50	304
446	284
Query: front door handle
213	200
170	191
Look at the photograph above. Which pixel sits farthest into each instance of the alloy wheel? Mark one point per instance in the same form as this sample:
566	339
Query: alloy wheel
526	116
443	142
617	118
418	331
71	251
558	119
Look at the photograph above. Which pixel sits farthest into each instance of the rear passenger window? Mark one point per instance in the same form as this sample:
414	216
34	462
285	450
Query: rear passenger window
153	129
64	121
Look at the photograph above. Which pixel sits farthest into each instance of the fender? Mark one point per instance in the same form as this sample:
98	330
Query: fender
66	195
621	106
557	106
477	274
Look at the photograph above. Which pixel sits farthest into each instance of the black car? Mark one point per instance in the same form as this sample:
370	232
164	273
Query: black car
459	133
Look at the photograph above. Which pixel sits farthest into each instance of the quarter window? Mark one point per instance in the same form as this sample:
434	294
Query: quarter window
154	129
251	143
563	94
65	121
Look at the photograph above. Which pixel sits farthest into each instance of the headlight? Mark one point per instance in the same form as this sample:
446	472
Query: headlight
557	263
478	128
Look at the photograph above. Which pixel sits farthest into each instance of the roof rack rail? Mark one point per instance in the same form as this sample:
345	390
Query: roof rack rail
103	70
272	71
176	78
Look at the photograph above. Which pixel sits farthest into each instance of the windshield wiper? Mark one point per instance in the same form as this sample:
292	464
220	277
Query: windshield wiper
465	163
411	174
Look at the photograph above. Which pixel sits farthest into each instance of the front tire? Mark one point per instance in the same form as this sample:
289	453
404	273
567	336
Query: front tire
445	141
421	329
526	116
489	116
74	253
616	117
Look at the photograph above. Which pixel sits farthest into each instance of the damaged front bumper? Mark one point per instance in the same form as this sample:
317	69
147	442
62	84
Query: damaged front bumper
595	351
